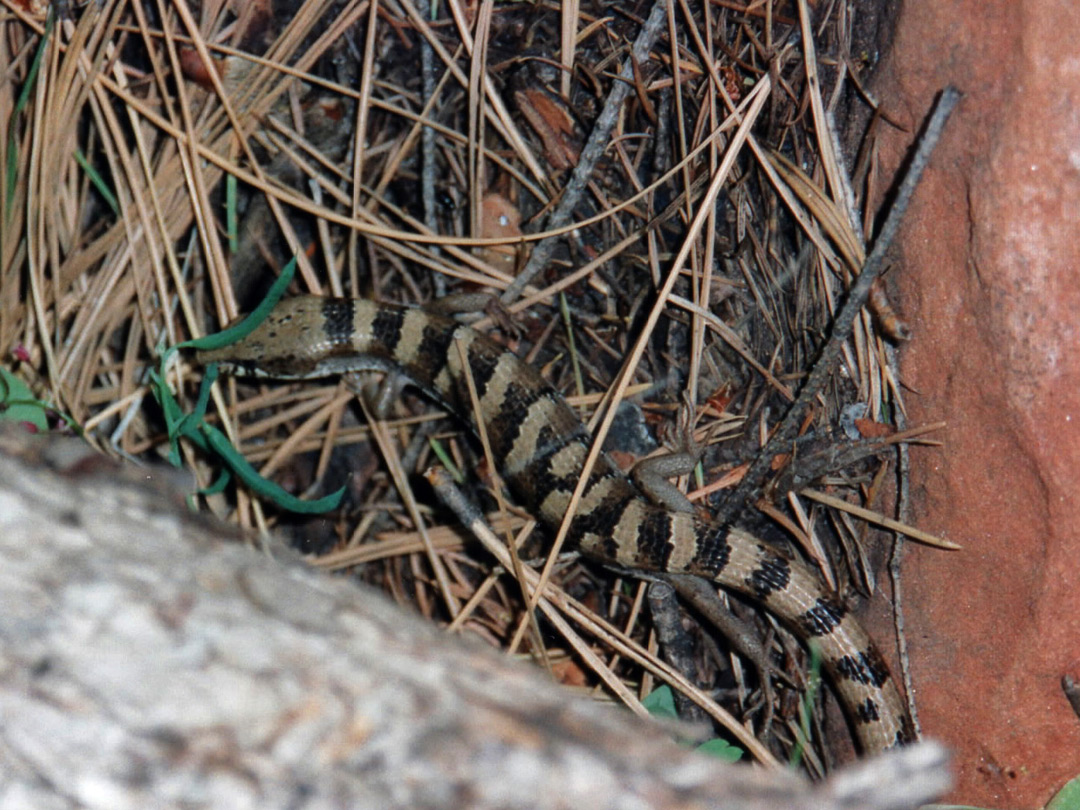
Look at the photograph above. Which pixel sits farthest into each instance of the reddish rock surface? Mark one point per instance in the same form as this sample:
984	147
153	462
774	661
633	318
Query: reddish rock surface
991	284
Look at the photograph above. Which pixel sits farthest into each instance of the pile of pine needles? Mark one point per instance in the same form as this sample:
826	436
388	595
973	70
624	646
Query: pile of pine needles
668	201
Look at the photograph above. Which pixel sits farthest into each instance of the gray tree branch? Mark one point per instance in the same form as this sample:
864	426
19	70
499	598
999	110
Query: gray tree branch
149	659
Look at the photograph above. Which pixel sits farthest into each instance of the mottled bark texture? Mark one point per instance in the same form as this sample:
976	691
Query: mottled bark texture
150	659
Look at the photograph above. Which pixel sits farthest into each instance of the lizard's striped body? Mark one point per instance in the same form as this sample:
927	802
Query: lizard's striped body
542	445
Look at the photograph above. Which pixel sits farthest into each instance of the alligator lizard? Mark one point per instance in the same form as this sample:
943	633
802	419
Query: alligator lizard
543	445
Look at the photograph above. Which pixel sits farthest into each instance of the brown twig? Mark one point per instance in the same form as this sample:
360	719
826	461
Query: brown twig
749	489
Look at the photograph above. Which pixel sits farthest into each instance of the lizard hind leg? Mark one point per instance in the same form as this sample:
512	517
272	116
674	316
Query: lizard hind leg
652	475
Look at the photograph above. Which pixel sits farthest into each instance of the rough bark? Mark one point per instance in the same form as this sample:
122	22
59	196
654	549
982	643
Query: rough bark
149	659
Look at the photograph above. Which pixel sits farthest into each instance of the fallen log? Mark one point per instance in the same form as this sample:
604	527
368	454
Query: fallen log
148	658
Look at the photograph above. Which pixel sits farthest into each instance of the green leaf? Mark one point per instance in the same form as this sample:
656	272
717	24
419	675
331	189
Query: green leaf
721	749
806	706
264	487
661	703
206	437
98	181
575	364
20	105
445	459
17	404
230	211
1068	798
176	424
236	333
219	485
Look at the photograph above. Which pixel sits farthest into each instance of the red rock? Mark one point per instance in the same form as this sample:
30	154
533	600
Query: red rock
991	284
